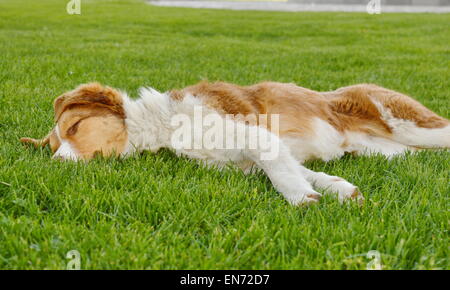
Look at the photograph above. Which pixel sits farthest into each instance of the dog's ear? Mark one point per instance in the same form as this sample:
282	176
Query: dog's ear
50	139
93	94
37	142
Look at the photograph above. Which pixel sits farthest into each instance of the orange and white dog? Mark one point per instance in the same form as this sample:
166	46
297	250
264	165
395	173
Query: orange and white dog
360	119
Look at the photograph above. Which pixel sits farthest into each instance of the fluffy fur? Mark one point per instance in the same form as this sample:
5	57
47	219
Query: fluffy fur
360	119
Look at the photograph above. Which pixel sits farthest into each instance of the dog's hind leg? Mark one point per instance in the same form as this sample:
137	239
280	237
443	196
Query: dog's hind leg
364	144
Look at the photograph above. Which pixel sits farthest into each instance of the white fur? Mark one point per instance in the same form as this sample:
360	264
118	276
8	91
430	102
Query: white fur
147	121
363	144
325	144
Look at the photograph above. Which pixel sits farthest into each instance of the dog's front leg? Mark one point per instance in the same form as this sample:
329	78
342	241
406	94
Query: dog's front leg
281	167
248	143
333	184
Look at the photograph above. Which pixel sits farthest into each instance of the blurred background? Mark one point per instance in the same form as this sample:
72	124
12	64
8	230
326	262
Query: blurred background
349	2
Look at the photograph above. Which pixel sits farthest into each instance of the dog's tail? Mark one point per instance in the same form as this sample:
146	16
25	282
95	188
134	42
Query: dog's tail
405	120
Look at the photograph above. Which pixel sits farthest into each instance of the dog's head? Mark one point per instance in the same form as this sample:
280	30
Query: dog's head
89	120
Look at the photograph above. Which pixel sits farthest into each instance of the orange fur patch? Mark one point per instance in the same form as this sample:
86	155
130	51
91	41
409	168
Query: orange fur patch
346	109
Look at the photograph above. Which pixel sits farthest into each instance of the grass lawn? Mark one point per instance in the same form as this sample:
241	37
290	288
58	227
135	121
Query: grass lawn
157	211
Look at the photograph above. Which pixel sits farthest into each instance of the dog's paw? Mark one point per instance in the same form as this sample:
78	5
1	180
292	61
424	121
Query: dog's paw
346	191
357	196
302	199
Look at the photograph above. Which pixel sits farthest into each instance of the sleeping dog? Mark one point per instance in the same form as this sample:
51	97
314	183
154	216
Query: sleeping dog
295	123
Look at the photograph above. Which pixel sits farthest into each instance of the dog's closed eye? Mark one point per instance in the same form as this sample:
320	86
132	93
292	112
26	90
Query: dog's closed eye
74	128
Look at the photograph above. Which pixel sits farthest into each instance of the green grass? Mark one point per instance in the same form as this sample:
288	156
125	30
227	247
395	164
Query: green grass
157	211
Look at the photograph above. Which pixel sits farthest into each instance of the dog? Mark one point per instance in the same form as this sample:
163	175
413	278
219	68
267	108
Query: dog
360	119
